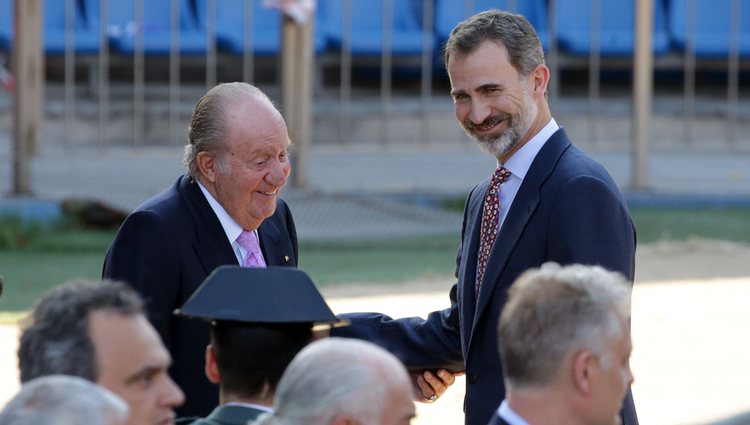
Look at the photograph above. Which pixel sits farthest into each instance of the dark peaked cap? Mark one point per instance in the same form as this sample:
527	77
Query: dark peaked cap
259	295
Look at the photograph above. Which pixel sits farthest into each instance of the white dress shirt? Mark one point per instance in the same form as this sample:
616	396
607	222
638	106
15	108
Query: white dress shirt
518	164
509	416
231	228
250	405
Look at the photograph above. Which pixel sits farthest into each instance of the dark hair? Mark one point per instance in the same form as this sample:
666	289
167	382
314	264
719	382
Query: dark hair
509	29
251	356
55	338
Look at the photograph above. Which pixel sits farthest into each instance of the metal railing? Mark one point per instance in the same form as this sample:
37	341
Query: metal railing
350	104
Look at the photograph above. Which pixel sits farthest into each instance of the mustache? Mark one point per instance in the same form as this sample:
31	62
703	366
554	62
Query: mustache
488	122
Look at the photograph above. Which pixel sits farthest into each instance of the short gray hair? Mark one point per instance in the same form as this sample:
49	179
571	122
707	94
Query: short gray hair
554	311
333	377
55	336
63	400
208	125
509	29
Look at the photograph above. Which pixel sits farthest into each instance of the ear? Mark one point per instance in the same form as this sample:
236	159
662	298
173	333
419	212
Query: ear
539	80
212	368
583	364
206	166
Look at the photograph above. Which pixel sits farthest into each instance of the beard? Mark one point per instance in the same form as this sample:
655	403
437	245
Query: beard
518	125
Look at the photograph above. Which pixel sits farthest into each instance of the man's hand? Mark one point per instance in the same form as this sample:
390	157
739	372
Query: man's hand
429	386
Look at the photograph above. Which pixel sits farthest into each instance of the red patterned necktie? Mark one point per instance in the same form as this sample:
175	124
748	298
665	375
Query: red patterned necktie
488	232
248	240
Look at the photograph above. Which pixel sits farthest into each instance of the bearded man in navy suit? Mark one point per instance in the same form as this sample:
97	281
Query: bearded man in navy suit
546	201
237	160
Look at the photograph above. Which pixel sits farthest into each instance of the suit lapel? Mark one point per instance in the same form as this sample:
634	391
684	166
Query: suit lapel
268	234
211	245
523	207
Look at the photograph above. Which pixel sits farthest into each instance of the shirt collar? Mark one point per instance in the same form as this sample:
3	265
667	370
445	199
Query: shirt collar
250	405
231	228
511	417
520	162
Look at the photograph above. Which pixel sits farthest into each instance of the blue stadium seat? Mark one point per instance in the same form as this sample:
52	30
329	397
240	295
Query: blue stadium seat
712	27
6	24
616	27
85	41
85	38
121	28
367	26
230	22
448	13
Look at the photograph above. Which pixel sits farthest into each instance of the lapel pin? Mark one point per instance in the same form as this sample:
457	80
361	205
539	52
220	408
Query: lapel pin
286	258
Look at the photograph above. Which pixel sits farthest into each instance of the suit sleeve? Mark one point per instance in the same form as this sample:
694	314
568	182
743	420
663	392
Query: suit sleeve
419	343
591	225
144	256
431	343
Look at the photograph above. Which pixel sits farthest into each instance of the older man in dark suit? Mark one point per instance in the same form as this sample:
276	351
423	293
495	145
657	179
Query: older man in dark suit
546	201
226	210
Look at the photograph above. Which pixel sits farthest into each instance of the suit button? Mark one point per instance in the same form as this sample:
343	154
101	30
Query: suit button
472	378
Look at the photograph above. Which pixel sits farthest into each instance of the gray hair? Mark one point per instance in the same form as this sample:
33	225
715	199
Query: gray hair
509	29
63	400
332	377
554	311
55	338
208	125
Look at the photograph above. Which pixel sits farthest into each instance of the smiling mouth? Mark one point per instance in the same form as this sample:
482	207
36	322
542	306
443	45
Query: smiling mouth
489	123
272	193
488	126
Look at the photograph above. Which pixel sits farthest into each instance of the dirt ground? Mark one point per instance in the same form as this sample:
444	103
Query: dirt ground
691	310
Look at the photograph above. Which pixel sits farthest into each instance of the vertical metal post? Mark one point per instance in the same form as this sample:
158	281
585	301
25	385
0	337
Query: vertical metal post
733	71
28	68
247	47
553	90
297	69
427	49
594	69
386	70
103	78
643	93
211	43
138	76
70	68
689	103
174	70
346	72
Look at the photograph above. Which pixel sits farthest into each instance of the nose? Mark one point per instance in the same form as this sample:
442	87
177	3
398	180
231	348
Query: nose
278	173
172	394
480	110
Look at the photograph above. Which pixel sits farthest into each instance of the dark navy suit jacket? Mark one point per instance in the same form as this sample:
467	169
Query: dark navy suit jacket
165	249
568	210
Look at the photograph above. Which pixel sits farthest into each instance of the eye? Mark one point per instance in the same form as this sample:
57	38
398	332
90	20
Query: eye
146	380
284	156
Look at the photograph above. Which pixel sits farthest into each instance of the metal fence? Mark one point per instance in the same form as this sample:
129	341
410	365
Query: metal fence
378	72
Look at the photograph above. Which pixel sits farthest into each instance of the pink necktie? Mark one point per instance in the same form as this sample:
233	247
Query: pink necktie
249	242
488	232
